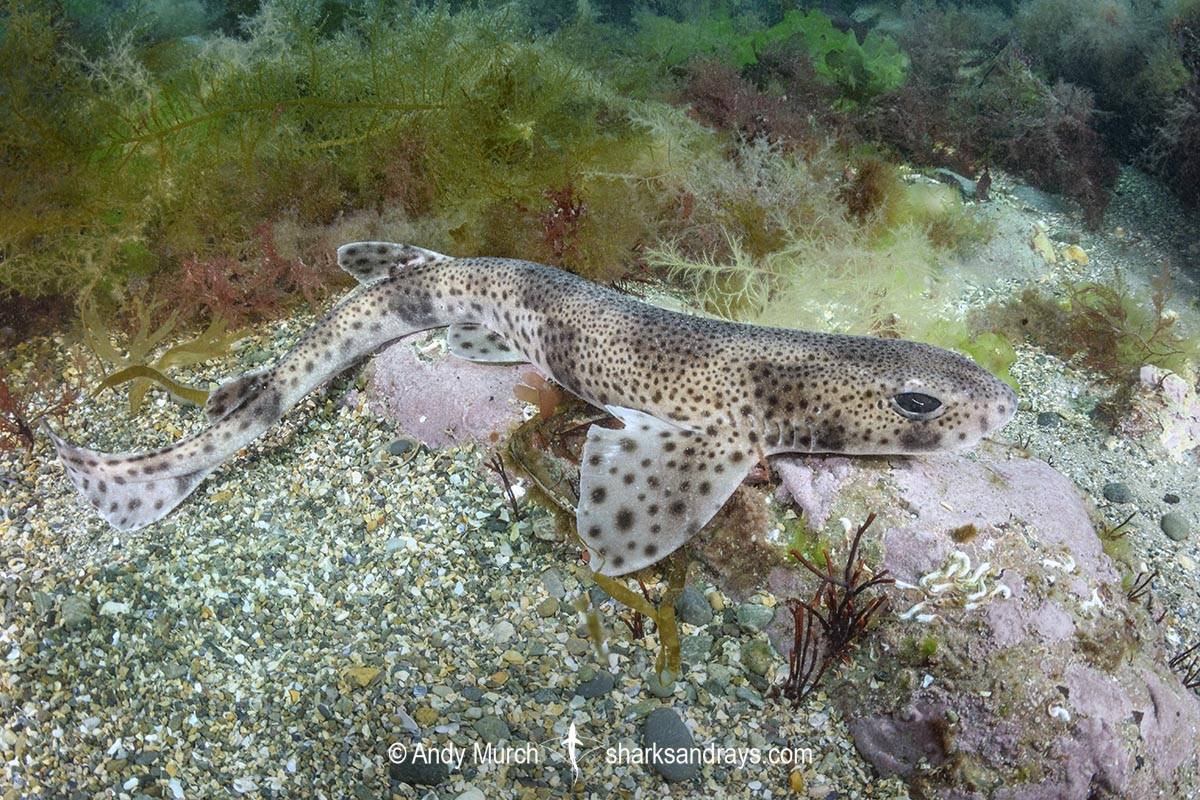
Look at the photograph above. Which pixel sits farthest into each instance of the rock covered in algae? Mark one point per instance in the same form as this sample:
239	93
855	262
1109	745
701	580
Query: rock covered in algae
1010	663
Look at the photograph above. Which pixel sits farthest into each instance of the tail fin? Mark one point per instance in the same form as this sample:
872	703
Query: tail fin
372	261
127	504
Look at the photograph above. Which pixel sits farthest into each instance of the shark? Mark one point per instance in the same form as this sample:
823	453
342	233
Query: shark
700	401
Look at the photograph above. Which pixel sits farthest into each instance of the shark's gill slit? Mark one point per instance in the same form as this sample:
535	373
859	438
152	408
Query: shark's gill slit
701	400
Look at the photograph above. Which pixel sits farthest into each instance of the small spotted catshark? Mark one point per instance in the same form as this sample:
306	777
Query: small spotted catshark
701	400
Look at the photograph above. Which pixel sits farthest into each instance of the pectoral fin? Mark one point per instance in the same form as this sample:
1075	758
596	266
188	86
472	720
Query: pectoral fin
648	488
483	345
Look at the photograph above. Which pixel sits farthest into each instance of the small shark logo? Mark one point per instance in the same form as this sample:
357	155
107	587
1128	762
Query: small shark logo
571	741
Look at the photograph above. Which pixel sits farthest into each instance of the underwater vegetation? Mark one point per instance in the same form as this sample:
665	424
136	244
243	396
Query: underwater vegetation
1109	327
132	358
23	407
747	156
1187	664
839	609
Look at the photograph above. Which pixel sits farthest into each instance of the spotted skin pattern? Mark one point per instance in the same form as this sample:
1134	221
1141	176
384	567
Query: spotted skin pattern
701	400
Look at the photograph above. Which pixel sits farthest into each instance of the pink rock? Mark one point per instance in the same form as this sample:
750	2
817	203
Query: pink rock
812	482
442	400
1128	730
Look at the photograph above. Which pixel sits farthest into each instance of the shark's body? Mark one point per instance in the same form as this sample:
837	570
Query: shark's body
701	400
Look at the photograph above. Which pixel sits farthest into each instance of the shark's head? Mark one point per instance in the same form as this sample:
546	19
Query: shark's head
871	396
919	398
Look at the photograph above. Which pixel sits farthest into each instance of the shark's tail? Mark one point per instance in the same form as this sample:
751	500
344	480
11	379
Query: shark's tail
127	503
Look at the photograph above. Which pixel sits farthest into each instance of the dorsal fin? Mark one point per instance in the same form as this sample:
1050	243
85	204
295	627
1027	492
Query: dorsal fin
648	488
368	262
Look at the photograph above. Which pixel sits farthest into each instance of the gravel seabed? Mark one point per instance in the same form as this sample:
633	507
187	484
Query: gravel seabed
319	599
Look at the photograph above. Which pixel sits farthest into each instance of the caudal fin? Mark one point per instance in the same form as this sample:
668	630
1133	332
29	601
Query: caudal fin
126	503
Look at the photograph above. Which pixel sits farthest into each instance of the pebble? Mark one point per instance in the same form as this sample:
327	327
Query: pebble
757	656
472	794
398	447
548	607
1171	498
660	686
754	617
503	631
552	580
694	649
419	773
598	686
664	729
76	612
492	729
719	678
1048	419
693	608
1175	526
750	696
1117	493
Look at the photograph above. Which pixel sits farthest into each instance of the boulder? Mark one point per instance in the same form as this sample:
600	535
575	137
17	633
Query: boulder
441	400
1010	663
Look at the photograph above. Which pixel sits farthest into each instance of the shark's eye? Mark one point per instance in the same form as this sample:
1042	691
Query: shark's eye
917	406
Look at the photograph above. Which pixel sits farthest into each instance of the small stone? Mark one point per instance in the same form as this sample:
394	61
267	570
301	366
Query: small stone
1048	419
578	647
693	608
545	529
42	604
754	617
471	794
1170	498
419	773
660	685
598	686
492	729
1174	525
664	731
719	678
76	612
695	649
1117	493
716	600
361	676
757	656
503	631
398	447
749	695
552	580
548	607
426	715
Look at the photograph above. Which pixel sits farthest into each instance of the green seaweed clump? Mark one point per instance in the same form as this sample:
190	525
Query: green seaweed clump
1111	328
860	70
133	360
